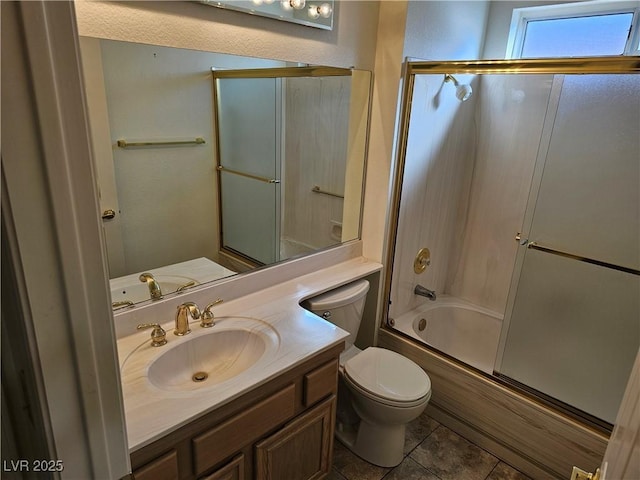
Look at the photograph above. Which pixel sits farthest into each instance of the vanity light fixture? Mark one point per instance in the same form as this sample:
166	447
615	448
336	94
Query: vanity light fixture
292	4
323	10
312	13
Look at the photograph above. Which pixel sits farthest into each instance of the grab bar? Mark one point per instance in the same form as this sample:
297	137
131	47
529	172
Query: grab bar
248	175
317	189
153	143
580	258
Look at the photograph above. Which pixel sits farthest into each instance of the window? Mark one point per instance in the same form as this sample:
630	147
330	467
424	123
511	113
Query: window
581	29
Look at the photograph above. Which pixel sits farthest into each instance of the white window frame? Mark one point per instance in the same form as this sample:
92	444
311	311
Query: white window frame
522	16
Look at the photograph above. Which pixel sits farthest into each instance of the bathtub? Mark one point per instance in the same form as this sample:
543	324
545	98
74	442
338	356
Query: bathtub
458	328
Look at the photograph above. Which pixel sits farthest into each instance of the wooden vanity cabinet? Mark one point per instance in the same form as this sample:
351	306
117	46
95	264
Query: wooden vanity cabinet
281	430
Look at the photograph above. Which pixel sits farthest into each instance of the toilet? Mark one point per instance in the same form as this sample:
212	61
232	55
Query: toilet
379	391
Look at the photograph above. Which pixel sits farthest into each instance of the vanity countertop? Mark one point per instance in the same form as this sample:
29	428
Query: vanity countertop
152	412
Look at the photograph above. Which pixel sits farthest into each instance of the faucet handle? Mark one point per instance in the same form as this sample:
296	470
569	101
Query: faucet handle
206	319
158	334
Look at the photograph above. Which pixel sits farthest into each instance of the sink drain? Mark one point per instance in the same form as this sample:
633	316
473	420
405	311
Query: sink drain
199	376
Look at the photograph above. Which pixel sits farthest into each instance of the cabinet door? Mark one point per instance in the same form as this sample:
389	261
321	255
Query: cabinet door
302	449
162	468
234	470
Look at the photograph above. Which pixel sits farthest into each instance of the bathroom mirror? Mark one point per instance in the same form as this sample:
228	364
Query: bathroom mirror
171	127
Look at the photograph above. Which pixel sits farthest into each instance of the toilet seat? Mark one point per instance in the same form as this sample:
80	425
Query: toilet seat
388	377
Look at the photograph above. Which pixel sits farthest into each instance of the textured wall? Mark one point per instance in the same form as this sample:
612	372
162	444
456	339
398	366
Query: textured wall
352	41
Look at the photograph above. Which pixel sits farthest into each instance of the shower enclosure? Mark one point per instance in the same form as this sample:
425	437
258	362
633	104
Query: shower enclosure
287	159
527	195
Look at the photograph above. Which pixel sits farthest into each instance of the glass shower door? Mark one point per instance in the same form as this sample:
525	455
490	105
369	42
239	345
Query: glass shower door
248	120
573	329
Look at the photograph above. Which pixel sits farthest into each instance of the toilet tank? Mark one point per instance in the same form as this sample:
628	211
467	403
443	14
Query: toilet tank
342	306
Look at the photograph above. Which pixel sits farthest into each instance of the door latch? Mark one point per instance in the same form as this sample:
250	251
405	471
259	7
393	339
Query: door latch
579	474
108	214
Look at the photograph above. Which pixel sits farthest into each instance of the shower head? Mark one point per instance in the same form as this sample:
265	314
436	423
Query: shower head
463	91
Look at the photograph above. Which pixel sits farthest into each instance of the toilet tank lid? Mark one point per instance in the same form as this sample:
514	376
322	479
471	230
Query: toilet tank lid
338	297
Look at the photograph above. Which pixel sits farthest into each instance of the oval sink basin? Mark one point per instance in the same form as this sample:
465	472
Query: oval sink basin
210	359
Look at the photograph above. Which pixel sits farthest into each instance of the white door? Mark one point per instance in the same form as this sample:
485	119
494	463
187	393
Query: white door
622	457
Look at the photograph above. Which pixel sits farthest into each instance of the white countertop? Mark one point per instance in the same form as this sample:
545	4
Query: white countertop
200	270
152	412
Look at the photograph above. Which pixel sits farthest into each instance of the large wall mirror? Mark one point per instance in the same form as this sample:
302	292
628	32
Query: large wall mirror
209	165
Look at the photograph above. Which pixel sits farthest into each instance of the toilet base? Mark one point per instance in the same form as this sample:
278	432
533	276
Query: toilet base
379	445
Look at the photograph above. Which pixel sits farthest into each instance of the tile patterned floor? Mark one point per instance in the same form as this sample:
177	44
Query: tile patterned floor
432	452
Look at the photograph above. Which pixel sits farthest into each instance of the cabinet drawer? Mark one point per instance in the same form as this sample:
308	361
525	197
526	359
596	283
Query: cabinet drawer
162	468
229	437
234	470
302	449
320	382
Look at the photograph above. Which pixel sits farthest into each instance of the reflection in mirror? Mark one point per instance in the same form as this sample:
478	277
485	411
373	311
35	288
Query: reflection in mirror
282	153
163	199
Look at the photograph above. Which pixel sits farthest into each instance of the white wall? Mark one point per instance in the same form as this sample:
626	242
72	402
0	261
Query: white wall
440	158
319	145
445	30
167	195
509	121
352	42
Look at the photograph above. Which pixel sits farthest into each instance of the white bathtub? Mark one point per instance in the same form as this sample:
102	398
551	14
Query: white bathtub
456	327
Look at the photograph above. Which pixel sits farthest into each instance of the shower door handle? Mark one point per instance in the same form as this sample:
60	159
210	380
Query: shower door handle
542	248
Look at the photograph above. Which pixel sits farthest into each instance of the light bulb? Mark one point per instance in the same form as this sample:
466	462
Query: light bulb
314	11
286	5
325	10
257	2
297	4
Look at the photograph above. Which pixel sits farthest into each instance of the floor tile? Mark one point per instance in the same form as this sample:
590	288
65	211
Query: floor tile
452	457
418	430
505	472
352	467
335	475
410	470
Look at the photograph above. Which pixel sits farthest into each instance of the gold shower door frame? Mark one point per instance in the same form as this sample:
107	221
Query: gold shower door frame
254	73
577	65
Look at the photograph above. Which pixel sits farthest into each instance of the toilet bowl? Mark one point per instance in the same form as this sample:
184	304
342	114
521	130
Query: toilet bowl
379	391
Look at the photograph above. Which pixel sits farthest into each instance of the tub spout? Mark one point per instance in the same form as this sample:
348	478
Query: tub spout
425	292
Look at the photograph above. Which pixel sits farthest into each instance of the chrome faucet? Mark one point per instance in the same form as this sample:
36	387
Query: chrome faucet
425	292
182	317
154	287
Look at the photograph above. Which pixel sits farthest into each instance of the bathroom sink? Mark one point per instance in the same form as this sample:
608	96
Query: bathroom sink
230	348
139	291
